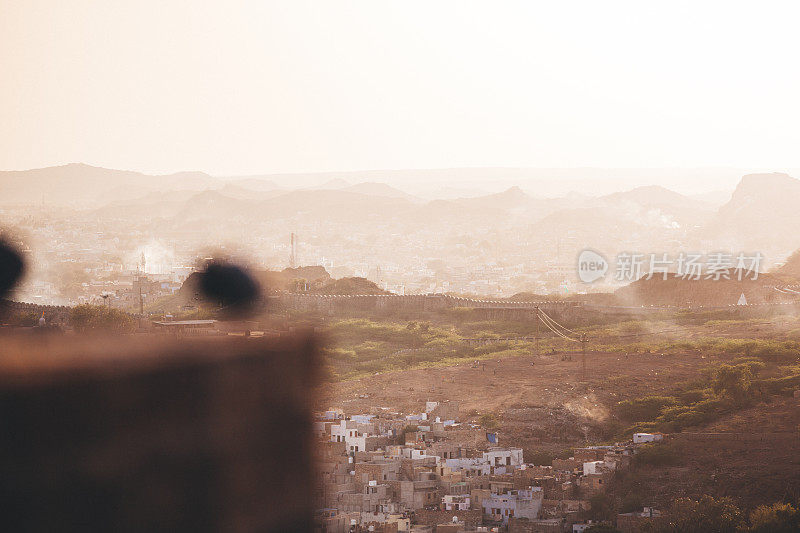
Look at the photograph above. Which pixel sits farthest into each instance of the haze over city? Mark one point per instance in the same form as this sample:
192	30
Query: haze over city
246	104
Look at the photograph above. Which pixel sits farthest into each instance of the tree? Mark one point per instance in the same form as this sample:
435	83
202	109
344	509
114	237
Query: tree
601	507
706	515
99	318
70	278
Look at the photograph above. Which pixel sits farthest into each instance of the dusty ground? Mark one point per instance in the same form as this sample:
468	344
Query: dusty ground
544	405
757	462
541	401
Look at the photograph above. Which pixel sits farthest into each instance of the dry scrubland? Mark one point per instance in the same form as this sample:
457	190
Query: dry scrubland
702	375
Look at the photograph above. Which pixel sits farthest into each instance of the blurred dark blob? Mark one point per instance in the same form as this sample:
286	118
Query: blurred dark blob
157	436
230	286
11	268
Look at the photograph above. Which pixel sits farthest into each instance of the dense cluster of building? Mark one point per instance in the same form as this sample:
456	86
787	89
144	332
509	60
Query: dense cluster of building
429	472
74	258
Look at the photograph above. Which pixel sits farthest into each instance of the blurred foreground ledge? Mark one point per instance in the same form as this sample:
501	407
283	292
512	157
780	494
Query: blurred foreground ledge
115	434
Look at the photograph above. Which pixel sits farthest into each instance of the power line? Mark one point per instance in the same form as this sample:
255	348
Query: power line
556	327
552	321
554	330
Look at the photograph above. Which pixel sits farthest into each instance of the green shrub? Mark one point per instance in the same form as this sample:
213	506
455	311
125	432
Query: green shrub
97	317
775	518
659	454
706	515
779	385
566	453
733	381
339	354
643	409
488	421
692	396
601	507
631	503
539	458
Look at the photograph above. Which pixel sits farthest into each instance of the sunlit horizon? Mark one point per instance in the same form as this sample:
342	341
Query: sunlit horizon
279	87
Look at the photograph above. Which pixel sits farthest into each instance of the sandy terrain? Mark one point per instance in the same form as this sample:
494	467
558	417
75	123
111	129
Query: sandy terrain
540	400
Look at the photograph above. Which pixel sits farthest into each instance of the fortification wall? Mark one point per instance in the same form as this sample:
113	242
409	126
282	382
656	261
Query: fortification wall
53	314
416	302
565	312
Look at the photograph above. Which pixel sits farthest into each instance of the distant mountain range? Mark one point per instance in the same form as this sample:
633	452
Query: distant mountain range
763	213
760	215
652	196
371	188
82	184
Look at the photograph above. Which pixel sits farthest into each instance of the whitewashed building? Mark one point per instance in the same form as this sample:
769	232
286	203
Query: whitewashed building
353	433
515	503
456	502
641	438
504	457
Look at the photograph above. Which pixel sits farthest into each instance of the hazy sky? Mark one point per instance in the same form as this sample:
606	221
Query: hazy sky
250	87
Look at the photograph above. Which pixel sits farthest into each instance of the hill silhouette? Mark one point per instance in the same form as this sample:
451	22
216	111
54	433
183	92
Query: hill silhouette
676	291
761	215
353	285
791	268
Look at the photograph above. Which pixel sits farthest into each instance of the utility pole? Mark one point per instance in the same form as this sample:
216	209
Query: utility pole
583	357
293	251
538	352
